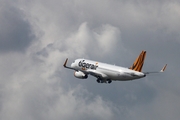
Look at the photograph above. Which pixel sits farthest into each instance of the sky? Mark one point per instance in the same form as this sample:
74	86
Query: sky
37	36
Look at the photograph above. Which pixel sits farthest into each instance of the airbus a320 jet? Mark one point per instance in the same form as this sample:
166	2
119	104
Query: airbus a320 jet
106	73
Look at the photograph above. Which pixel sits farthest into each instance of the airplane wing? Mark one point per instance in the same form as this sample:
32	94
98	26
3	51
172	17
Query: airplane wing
91	72
97	74
101	77
162	70
67	66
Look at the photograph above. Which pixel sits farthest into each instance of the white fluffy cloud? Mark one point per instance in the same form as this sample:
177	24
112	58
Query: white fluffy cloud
31	88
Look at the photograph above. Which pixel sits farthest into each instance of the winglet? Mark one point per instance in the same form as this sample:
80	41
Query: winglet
163	69
65	62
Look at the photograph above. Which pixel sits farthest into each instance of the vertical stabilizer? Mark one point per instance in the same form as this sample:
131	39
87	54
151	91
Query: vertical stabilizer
138	63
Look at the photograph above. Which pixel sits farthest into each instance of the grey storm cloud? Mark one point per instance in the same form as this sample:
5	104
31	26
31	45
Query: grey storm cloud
34	84
15	32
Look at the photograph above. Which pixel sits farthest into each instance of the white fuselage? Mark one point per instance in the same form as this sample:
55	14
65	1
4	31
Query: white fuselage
106	71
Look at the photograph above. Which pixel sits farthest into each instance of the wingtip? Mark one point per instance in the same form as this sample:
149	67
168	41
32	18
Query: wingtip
164	68
65	62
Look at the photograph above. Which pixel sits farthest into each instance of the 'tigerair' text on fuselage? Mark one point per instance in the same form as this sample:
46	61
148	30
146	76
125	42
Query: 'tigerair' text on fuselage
85	65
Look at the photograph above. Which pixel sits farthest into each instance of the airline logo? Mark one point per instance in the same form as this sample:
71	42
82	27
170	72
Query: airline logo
138	63
86	65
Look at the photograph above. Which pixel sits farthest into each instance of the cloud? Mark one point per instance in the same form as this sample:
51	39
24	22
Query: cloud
100	40
29	83
16	33
33	92
34	85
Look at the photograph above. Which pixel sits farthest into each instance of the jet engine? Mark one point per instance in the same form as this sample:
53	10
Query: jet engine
80	75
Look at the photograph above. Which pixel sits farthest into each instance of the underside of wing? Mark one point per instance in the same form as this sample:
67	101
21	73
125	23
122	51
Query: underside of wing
97	74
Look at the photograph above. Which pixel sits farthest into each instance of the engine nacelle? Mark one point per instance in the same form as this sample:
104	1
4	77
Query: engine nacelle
80	75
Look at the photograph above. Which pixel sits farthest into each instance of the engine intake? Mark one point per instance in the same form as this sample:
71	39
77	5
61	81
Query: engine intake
80	75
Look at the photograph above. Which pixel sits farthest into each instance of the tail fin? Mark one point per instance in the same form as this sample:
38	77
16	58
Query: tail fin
138	63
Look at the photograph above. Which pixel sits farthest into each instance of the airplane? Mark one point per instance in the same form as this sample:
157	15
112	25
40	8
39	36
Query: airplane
106	73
